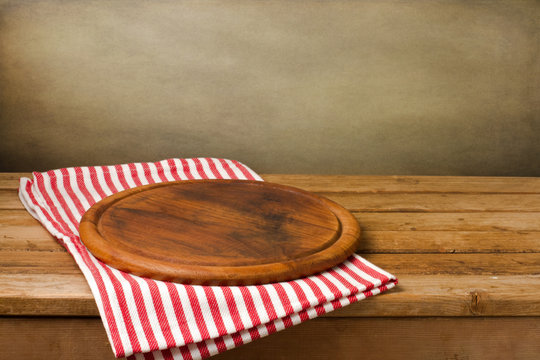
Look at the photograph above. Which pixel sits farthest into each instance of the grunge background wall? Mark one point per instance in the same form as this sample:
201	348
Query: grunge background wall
351	87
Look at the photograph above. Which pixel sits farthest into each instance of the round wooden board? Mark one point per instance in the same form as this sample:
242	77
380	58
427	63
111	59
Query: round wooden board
219	232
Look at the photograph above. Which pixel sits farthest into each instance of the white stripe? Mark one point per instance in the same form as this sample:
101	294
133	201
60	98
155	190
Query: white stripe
75	187
212	347
242	311
259	304
293	298
180	169
140	174
151	312
24	197
224	309
56	204
194	350
154	173
127	290
276	300
93	287
342	288
253	173
168	307
220	169
127	175
362	274
139	356
113	301
101	180
327	293
188	312
229	341
375	267
193	169
176	354
69	202
310	295
206	312
167	172
206	168
235	169
115	179
88	184
351	280
241	306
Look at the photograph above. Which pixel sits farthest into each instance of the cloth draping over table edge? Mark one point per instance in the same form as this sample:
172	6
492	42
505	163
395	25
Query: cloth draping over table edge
150	319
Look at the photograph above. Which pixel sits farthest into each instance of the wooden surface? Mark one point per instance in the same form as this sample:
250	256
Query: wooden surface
462	251
219	232
318	339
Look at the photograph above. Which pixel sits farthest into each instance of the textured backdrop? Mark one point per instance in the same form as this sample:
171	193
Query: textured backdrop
366	87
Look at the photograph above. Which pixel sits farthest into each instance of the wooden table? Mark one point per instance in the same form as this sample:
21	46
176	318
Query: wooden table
465	249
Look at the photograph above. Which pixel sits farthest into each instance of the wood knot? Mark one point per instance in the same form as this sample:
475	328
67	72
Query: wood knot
478	302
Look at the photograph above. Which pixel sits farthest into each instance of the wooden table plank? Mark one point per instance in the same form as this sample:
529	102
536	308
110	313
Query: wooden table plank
380	184
27	262
436	202
36	238
345	338
382	232
398	202
416	295
503	222
405	184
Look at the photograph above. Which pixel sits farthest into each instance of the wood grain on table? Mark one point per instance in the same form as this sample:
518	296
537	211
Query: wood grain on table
466	251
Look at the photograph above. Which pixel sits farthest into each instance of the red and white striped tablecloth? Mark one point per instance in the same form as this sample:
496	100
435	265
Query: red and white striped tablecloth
152	319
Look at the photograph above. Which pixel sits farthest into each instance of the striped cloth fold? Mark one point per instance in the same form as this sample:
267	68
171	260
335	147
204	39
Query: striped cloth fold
149	319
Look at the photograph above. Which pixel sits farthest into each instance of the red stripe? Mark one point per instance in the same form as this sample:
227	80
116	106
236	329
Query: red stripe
214	309
108	179
120	296
343	281
186	353
285	302
71	193
213	168
216	315
160	312
335	291
95	182
186	170
243	169
141	310
199	168
167	355
121	177
368	284
148	173
148	356
304	302
179	312
134	174
228	169
63	226
318	293
252	312
109	316
173	169
235	315
269	308
201	325
368	270
161	172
